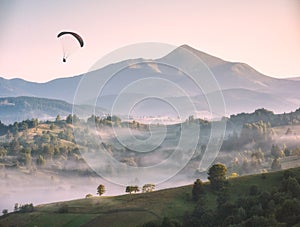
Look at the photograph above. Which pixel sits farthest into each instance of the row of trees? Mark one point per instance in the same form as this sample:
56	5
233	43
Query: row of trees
265	115
129	189
20	208
216	175
260	115
18	126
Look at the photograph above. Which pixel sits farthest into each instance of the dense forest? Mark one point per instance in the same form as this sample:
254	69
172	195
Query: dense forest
220	203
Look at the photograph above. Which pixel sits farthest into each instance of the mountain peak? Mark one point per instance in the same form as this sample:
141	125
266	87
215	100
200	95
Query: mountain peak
208	59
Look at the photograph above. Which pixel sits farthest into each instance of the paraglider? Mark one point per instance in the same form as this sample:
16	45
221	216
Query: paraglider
70	42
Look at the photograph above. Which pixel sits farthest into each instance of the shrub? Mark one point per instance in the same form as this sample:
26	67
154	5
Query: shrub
26	208
4	211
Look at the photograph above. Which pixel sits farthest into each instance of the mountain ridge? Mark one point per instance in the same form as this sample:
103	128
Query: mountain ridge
24	107
229	75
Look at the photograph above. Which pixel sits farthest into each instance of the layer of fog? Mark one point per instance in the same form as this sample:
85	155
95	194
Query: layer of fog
52	185
48	187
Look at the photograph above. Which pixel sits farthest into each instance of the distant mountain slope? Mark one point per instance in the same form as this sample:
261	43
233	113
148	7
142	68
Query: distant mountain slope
62	88
235	79
21	108
228	74
252	100
232	75
294	78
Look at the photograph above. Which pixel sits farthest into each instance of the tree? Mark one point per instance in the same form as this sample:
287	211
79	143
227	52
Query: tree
130	189
292	186
24	126
217	176
3	128
254	190
51	126
3	152
287	152
41	161
136	189
191	119
88	196
100	190
258	155
69	119
288	211
148	188
197	190
4	211
16	207
276	151
26	208
15	129
58	118
48	151
34	122
288	173
28	158
258	132
14	146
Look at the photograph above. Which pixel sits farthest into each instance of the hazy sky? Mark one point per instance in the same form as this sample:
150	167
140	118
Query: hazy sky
264	34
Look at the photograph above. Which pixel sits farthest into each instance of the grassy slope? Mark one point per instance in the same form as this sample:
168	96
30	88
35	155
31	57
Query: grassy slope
135	209
124	210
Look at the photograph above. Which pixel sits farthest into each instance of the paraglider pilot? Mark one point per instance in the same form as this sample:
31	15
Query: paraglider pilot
76	36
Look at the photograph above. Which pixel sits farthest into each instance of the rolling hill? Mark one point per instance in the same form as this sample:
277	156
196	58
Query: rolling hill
137	209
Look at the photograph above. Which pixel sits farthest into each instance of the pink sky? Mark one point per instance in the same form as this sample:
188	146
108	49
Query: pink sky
263	34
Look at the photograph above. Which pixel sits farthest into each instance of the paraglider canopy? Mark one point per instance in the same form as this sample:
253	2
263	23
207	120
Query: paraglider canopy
78	37
69	46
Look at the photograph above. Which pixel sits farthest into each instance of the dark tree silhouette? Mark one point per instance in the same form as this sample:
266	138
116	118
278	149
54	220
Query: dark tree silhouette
217	176
197	189
101	189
